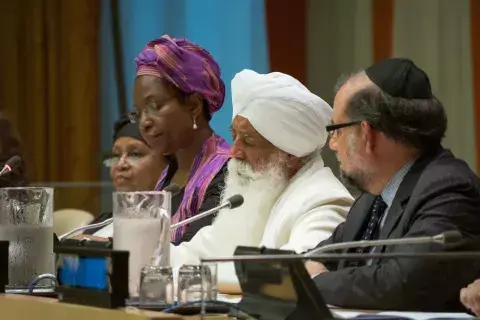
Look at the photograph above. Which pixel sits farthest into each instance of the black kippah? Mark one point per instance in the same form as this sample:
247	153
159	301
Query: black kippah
400	78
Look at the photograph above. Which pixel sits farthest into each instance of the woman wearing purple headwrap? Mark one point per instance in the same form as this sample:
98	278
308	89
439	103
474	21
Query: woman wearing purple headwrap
177	90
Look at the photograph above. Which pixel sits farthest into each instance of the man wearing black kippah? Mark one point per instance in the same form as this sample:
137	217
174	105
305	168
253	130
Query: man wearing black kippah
387	131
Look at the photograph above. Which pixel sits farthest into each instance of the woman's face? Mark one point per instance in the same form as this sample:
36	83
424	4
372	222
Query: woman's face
134	166
165	123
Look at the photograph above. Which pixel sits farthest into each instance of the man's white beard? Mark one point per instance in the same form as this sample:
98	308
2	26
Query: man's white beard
260	190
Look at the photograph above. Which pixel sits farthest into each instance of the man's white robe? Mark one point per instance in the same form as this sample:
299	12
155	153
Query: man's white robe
313	203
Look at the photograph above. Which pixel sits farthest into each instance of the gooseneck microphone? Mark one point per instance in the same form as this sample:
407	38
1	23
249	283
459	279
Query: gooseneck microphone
173	188
232	202
10	165
447	237
87	227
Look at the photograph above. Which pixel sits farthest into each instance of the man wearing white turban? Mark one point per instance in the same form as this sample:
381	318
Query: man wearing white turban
291	200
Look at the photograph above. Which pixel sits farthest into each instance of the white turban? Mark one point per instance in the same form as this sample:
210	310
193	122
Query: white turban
282	110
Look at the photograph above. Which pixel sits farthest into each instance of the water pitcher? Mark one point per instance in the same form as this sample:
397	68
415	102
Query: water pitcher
141	225
26	220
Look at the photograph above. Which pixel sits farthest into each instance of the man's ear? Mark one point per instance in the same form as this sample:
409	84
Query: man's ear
368	136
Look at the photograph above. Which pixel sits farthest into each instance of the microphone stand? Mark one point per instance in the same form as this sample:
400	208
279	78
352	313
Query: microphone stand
461	255
232	202
87	227
448	237
370	243
200	216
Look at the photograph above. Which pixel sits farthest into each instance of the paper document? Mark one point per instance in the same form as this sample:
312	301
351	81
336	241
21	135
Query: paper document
346	314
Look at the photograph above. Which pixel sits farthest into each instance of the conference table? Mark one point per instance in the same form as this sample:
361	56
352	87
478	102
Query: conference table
21	307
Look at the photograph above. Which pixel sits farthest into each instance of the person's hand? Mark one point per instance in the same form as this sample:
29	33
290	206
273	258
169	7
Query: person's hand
315	268
90	237
470	297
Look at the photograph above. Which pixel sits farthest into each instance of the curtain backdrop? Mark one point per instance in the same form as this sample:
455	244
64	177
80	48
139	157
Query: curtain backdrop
475	39
436	35
49	89
345	35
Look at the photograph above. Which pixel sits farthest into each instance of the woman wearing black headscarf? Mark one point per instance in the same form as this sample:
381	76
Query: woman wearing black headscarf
134	166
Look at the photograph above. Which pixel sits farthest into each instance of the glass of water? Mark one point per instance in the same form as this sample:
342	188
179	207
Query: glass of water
26	220
210	274
197	283
156	285
141	225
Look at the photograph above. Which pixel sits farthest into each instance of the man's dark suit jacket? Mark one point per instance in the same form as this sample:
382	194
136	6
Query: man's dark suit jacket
439	193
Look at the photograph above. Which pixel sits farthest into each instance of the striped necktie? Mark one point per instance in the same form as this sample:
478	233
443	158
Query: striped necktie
372	229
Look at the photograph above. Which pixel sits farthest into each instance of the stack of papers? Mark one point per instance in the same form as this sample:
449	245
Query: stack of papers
225	298
345	314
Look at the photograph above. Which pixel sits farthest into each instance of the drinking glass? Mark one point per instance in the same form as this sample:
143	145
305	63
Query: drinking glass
156	285
197	283
211	274
26	220
141	225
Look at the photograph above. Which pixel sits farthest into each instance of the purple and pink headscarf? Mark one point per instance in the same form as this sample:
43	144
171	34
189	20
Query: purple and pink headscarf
186	65
191	69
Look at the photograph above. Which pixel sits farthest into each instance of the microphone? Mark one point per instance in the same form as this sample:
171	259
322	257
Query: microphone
11	164
87	227
173	188
446	237
233	202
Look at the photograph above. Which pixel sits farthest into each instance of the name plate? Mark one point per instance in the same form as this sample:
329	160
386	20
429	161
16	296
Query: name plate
92	276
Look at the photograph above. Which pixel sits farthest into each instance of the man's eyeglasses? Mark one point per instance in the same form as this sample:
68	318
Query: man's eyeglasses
150	110
333	128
